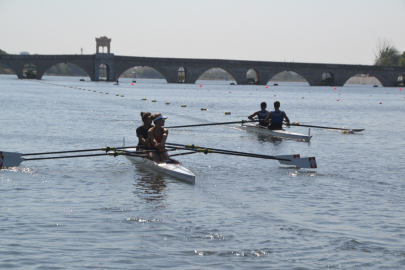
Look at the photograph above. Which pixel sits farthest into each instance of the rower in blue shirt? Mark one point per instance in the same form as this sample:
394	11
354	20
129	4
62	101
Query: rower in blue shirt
262	114
277	117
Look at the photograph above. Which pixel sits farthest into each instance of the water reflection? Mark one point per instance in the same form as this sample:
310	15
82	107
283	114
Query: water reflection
267	138
275	140
149	186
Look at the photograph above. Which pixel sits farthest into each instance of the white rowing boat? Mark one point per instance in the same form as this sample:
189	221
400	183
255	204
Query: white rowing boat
171	167
276	133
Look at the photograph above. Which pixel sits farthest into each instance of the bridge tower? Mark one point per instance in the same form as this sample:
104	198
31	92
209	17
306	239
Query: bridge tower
105	61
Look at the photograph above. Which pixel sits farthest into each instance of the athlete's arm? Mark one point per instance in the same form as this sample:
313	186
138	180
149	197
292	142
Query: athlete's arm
253	115
163	141
152	138
286	118
143	140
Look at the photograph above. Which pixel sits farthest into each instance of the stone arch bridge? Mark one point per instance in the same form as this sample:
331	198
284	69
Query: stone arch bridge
193	68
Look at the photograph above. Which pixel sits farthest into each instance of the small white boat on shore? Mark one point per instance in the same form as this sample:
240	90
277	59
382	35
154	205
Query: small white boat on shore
276	133
172	167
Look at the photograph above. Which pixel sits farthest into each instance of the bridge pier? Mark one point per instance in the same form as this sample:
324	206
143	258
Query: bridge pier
108	60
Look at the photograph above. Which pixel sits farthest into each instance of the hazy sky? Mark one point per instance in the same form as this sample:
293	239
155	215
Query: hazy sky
339	31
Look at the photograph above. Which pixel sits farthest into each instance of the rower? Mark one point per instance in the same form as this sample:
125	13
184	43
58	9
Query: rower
157	136
142	132
262	114
277	117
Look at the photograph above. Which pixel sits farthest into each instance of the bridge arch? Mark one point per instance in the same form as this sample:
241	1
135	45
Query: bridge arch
104	72
30	71
362	78
252	76
328	78
45	67
182	75
226	73
139	71
401	80
300	74
61	69
7	70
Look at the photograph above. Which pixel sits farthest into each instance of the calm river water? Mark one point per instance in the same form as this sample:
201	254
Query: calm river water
242	213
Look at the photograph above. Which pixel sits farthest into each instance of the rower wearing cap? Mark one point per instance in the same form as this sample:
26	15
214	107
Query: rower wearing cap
277	117
262	114
157	136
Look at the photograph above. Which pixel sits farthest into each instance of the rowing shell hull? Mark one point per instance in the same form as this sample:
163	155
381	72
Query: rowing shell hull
276	133
172	169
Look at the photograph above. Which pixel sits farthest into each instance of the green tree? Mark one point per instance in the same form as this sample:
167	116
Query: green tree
29	74
386	54
2	52
402	60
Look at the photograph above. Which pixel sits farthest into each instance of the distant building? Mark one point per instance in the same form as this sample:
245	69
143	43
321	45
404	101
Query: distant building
24	53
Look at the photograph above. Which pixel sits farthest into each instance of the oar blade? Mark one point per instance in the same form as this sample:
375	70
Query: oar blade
306	162
297	161
290	157
10	159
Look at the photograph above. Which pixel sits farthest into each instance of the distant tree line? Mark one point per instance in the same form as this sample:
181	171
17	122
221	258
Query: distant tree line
66	70
3	68
142	72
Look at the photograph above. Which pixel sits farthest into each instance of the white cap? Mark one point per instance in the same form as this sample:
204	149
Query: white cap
158	118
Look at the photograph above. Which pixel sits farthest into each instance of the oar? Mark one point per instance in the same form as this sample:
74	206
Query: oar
41	158
296	160
218	151
12	159
311	126
214	124
106	149
183	154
